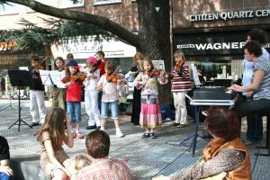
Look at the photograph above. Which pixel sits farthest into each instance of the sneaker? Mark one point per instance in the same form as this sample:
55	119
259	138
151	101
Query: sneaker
153	135
176	124
119	134
91	127
145	135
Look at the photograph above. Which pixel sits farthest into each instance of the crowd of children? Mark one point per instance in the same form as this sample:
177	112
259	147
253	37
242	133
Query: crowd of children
104	86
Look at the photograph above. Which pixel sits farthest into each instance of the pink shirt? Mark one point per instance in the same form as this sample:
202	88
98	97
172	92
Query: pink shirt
106	169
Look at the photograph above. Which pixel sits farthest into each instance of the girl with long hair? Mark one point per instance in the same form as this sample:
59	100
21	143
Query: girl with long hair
55	132
147	81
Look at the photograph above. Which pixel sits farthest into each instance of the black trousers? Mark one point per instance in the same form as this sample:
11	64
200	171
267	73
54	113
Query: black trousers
253	109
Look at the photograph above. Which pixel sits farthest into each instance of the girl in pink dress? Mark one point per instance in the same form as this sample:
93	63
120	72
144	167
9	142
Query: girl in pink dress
147	81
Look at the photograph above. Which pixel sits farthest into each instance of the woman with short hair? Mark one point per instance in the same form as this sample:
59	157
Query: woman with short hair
225	156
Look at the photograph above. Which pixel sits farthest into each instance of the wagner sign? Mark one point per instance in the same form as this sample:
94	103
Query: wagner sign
230	15
212	43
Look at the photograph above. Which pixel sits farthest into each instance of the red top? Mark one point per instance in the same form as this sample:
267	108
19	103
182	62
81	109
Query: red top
101	66
73	92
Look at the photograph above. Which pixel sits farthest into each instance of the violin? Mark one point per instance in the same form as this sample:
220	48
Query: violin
113	77
179	65
154	73
76	77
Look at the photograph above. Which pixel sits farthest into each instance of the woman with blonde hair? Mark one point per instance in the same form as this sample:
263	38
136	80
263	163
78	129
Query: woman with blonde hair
180	85
55	132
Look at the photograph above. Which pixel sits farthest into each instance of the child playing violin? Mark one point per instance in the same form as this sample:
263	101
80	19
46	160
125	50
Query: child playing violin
37	102
147	81
59	93
73	82
180	85
91	94
109	84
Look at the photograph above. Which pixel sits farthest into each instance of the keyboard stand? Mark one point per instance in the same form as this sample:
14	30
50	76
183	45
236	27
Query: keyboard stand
197	103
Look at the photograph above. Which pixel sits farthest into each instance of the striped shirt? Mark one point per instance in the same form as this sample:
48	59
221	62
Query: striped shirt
106	169
181	81
264	90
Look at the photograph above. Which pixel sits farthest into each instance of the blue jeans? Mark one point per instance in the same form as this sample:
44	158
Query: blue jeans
4	176
74	111
112	106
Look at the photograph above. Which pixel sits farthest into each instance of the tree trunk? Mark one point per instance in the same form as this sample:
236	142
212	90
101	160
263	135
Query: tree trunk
155	34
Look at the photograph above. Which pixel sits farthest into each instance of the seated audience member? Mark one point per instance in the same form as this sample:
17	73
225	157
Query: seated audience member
5	171
102	167
55	132
224	156
259	88
80	161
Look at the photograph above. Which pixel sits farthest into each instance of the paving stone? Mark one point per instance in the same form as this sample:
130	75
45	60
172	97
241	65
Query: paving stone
146	157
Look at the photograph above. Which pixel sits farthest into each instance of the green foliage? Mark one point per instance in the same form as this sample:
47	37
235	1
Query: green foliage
35	38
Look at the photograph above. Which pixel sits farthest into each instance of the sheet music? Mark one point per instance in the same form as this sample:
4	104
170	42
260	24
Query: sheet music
51	78
57	77
44	75
195	75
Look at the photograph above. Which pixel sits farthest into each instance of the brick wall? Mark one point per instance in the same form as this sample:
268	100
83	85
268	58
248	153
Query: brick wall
124	13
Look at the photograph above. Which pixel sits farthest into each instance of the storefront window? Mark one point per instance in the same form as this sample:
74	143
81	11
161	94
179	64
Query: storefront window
218	69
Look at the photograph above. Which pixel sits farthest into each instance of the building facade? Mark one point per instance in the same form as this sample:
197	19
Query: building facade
212	33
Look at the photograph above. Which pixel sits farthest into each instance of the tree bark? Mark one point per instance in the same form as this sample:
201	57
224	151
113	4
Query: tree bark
154	23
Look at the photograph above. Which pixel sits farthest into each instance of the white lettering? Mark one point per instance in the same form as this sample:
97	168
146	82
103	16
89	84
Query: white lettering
224	15
217	46
250	14
229	15
235	45
209	46
242	44
225	45
200	46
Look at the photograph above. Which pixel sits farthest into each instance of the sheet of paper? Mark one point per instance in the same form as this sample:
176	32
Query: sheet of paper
44	75
56	77
51	78
159	64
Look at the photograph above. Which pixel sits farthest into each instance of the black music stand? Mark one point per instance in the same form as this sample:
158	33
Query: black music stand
19	78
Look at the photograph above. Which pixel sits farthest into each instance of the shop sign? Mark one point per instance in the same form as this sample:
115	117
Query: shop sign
7	45
101	2
82	49
230	15
220	43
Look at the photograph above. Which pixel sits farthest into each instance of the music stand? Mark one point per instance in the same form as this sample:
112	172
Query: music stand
19	78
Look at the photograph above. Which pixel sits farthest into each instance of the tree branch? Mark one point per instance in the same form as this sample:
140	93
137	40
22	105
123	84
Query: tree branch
102	22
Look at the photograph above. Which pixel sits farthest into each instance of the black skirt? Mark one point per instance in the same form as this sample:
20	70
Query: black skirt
136	106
